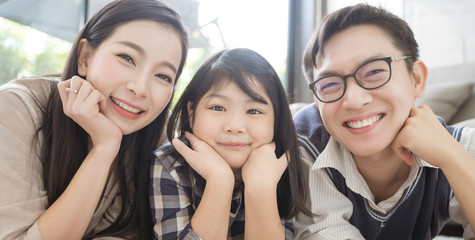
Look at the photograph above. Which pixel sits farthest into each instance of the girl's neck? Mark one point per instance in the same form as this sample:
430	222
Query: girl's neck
384	173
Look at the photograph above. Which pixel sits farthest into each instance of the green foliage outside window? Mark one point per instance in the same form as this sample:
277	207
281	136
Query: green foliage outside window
17	60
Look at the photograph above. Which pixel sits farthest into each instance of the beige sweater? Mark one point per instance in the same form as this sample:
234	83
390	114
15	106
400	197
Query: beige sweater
22	195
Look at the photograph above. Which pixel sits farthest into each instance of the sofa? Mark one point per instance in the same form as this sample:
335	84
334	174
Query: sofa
450	92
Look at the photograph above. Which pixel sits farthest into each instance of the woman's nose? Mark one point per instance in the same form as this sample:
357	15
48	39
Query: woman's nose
138	85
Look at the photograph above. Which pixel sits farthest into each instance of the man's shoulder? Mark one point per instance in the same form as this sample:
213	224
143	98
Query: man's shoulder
310	129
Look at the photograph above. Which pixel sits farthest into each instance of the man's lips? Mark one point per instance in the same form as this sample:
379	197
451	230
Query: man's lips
364	122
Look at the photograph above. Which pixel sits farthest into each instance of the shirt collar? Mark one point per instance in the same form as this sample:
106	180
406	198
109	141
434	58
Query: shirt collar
337	156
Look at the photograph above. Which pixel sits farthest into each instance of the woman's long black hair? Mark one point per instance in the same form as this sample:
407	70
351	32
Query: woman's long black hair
244	68
65	143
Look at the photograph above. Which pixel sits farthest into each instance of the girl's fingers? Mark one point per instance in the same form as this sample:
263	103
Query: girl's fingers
182	148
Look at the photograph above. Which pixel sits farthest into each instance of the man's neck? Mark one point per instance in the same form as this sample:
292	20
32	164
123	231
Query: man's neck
384	173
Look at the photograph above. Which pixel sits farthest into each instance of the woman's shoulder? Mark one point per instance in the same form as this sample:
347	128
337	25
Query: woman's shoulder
29	89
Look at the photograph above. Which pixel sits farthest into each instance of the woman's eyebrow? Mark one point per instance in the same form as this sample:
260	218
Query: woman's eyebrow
133	45
141	51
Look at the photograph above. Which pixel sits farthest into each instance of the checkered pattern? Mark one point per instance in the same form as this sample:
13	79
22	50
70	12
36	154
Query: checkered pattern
174	202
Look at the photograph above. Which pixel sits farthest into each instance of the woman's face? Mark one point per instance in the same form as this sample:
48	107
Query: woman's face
233	123
135	69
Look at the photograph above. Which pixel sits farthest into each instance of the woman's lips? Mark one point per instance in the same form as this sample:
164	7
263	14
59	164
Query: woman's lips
125	109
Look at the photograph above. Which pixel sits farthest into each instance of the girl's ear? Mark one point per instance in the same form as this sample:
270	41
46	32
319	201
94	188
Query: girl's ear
190	114
84	55
419	74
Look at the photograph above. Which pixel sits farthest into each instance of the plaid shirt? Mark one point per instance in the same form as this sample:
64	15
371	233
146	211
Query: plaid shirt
173	201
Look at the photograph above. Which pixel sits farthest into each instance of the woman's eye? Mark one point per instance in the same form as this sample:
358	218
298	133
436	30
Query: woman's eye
164	77
254	111
126	58
218	108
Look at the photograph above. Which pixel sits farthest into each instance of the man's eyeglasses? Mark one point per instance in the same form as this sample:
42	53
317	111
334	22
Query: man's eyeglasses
370	75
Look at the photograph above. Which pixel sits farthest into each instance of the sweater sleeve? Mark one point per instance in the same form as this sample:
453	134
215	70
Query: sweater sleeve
23	197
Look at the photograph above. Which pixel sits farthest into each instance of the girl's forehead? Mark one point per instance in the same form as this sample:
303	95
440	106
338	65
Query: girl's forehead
251	88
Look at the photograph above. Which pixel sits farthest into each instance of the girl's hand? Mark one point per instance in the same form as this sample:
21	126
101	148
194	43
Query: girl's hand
262	169
204	159
424	135
85	107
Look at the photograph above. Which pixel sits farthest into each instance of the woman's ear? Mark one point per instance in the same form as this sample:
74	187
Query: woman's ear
419	74
190	114
84	55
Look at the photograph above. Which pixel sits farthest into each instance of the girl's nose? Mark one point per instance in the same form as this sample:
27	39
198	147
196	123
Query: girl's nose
235	124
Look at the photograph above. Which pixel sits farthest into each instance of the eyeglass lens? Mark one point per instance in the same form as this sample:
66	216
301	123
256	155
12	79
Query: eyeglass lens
369	76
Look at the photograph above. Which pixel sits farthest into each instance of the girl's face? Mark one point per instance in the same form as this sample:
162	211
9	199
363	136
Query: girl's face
135	69
367	121
233	123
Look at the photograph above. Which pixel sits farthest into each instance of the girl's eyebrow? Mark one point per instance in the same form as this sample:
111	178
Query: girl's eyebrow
251	100
141	51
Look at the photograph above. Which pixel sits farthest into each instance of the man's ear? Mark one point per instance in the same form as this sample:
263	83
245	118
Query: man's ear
190	114
419	74
316	102
84	55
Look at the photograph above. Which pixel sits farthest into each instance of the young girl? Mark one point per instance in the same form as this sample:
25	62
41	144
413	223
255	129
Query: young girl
243	152
74	154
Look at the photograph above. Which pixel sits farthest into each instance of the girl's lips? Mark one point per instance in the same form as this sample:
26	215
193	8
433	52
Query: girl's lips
233	145
357	124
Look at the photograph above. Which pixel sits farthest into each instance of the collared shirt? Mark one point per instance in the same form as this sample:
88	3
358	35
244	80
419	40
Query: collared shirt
334	209
174	201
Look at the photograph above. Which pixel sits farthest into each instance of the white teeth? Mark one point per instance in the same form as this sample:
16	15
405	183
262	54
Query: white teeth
364	123
125	106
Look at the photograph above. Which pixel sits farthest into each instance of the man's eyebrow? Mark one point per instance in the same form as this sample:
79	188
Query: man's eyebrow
133	45
359	64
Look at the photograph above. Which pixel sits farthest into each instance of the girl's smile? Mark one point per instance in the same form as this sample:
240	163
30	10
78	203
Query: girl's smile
232	122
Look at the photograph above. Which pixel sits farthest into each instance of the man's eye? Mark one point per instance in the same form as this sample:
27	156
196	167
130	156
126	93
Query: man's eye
254	111
218	108
126	58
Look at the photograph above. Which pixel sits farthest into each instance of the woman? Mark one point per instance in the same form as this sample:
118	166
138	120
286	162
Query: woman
75	155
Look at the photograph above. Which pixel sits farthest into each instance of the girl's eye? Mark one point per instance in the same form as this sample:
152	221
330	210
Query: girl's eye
218	108
126	58
164	77
254	111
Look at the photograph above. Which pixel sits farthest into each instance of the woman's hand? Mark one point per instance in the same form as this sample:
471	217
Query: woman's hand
424	135
85	107
263	169
204	159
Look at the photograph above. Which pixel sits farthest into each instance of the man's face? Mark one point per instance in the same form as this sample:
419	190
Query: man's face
365	121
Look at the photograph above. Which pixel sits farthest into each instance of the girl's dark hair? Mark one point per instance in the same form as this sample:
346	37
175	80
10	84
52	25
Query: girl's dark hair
402	35
245	67
65	143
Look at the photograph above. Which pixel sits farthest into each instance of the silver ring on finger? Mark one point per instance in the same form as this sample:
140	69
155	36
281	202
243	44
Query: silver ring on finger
71	90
